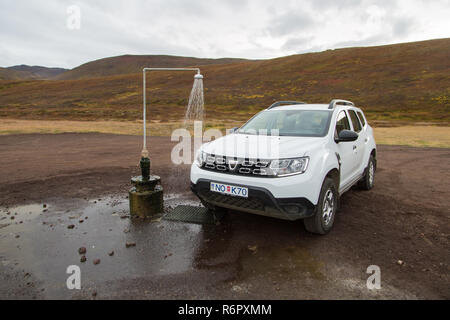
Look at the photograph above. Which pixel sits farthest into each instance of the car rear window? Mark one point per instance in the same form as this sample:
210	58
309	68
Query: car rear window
355	120
361	117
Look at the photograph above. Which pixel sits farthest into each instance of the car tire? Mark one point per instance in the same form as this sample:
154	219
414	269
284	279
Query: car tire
323	219
367	182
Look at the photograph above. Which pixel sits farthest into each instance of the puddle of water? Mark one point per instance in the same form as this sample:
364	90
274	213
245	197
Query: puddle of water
18	214
287	261
44	245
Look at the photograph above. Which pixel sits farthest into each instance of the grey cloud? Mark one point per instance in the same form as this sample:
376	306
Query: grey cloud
297	44
403	26
325	4
291	22
351	4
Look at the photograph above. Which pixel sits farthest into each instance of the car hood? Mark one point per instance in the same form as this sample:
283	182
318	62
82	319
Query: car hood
262	147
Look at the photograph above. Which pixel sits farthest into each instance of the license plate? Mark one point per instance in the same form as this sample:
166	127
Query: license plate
229	189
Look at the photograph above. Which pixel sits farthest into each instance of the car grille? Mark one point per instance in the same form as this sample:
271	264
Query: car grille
249	167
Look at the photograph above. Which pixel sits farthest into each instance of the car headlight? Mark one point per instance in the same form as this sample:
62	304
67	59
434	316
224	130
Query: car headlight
200	158
286	167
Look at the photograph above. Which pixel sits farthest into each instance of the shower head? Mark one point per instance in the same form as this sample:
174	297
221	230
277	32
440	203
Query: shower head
198	76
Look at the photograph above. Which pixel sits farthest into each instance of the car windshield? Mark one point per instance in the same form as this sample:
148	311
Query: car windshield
299	123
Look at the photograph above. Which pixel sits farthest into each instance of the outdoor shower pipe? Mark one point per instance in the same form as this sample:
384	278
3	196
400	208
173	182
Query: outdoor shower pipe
144	150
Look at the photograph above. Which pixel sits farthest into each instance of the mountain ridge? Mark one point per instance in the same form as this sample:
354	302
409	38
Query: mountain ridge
126	64
26	72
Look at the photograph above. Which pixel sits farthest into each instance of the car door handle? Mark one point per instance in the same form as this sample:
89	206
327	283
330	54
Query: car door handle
367	139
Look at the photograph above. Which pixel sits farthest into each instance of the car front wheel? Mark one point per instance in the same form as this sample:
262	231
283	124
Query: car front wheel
323	219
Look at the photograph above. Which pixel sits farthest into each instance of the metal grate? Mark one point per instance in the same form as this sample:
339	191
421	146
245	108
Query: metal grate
191	214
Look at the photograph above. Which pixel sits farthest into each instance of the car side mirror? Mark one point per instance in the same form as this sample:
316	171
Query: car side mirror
233	130
346	136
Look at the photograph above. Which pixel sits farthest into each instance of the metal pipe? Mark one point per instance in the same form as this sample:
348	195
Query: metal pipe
172	69
144	150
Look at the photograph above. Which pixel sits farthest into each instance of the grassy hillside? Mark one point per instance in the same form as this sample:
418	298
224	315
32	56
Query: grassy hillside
24	72
132	64
403	82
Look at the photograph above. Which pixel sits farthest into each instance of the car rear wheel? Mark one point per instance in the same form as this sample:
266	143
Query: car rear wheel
323	219
367	182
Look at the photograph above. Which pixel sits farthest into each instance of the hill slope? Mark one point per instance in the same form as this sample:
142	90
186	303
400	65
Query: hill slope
132	64
408	81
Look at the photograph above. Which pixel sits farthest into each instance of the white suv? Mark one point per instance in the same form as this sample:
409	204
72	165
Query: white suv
291	161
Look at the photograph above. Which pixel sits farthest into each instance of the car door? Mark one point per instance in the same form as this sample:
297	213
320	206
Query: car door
359	145
344	149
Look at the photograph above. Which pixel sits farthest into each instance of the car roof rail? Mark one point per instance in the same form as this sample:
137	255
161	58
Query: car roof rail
335	102
289	103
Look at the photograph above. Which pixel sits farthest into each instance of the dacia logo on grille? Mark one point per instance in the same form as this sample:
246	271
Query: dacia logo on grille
232	164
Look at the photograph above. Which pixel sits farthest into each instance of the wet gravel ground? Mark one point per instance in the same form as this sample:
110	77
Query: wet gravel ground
59	193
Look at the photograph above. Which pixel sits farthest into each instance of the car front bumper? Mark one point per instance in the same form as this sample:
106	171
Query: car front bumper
259	201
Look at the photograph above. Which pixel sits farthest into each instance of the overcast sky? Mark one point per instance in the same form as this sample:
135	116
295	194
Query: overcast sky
45	32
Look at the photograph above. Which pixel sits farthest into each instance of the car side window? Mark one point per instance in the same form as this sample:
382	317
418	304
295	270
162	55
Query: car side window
341	123
355	120
361	117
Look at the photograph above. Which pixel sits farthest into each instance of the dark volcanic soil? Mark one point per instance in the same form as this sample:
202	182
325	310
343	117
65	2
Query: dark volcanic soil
405	217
